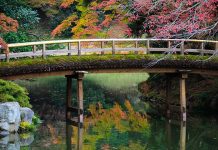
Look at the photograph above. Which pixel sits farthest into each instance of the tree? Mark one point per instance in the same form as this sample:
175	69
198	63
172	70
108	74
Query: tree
175	18
94	19
7	24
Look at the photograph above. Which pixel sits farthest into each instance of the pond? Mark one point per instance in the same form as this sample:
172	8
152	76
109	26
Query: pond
115	118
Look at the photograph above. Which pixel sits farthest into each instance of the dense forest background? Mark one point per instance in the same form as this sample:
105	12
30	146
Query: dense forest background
34	20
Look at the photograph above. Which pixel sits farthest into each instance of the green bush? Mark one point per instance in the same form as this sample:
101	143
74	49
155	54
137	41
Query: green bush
11	92
18	37
26	127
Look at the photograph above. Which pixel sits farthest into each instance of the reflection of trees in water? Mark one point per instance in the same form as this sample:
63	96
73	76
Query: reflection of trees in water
112	128
48	94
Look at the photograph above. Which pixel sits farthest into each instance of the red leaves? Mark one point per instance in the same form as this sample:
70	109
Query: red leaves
164	18
7	24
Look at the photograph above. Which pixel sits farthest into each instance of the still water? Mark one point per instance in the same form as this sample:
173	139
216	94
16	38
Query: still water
115	118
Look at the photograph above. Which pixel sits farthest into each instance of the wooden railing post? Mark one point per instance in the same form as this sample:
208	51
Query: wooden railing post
102	46
113	47
79	48
169	44
202	49
7	57
69	48
182	48
34	51
148	47
136	46
43	51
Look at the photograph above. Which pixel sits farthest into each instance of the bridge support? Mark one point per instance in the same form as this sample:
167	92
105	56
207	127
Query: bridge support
168	92
183	77
78	75
182	141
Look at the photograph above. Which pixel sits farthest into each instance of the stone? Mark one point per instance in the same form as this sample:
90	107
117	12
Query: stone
26	114
10	112
4	140
4	126
9	116
4	133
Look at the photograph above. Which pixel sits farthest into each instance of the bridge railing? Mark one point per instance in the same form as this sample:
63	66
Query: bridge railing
145	46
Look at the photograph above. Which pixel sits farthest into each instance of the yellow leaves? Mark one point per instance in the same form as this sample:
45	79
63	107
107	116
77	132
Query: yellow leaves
64	25
116	117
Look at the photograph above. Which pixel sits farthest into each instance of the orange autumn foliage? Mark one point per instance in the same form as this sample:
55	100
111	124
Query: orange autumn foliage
64	25
66	3
7	24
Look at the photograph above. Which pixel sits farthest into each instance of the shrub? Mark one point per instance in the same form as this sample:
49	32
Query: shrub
26	126
11	92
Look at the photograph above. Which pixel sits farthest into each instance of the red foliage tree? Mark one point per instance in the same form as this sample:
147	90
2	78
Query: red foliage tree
7	24
176	18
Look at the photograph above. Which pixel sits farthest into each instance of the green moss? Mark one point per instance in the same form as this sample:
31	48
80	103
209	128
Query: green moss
11	92
85	58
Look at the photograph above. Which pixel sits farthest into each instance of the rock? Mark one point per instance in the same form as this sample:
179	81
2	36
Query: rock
4	126
26	114
9	116
10	112
4	140
4	133
10	142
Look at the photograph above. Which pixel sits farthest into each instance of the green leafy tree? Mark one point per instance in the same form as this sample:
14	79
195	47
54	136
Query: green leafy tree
11	92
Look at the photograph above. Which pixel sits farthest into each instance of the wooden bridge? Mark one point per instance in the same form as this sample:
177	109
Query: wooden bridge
112	46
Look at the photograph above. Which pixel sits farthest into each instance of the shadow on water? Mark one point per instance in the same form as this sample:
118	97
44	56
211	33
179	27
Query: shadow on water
104	130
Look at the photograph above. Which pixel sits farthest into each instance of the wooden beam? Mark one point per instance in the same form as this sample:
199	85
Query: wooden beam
68	97
102	46
182	142
79	48
69	132
168	93
183	96
69	48
43	51
113	47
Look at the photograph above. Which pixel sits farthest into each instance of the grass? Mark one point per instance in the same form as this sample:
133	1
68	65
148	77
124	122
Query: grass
89	58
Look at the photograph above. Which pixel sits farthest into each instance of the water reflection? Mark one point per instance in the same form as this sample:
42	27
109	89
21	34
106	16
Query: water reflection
48	97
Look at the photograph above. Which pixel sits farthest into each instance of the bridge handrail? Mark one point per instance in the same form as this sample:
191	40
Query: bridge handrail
102	40
81	48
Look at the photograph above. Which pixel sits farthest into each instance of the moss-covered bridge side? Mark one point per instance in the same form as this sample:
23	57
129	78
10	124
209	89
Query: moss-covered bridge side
104	63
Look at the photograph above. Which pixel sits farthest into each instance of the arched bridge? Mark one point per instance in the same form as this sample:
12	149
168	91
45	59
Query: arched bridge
181	56
141	56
